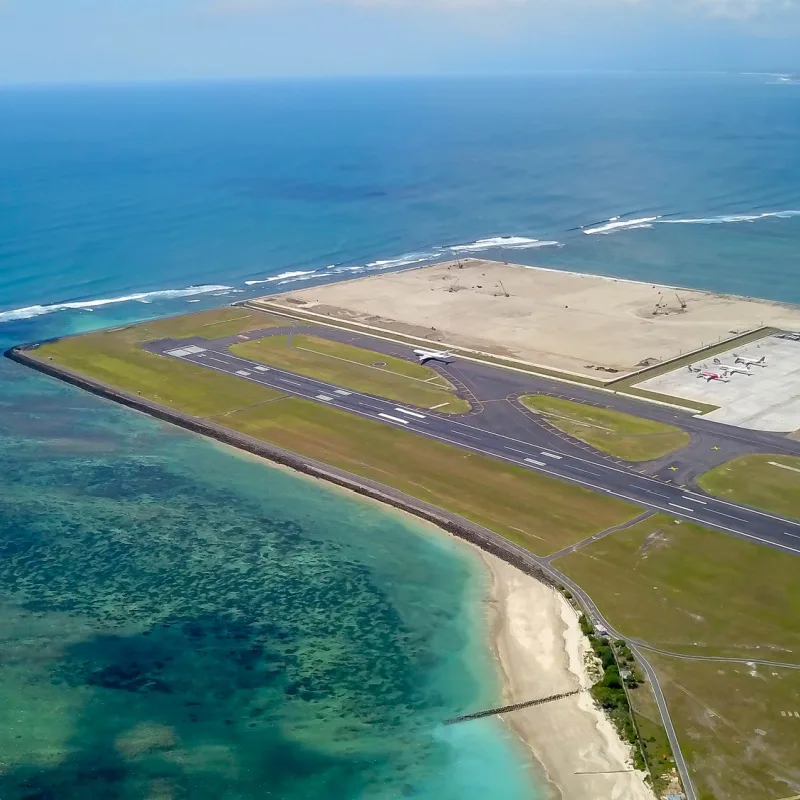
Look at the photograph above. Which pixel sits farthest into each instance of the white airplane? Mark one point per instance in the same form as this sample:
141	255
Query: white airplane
434	355
727	368
759	362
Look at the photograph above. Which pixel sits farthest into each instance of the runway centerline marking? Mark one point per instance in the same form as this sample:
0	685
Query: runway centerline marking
410	413
393	419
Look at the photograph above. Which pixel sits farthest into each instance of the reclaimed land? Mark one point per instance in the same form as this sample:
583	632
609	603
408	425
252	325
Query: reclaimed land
355	368
770	482
532	510
622	435
689	590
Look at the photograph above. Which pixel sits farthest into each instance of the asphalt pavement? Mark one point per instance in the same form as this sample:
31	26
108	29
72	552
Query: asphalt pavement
502	431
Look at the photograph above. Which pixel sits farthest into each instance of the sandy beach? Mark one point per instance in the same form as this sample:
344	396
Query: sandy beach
585	324
541	651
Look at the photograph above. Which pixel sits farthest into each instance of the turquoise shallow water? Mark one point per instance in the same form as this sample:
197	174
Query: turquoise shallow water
181	622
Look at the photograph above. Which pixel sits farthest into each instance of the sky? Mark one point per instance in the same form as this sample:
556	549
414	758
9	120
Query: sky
47	41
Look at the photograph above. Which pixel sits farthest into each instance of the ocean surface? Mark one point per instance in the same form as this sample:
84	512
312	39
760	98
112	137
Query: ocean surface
179	622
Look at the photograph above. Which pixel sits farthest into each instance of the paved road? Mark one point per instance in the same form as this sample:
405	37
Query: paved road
502	432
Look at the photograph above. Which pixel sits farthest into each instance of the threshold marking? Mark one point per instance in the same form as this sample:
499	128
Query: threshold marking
394	419
410	413
550	455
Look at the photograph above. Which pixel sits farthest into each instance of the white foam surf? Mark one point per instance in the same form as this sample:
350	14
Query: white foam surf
724	219
401	261
617	224
283	276
505	242
90	305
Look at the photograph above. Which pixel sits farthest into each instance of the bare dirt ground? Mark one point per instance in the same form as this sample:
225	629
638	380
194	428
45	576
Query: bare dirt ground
587	324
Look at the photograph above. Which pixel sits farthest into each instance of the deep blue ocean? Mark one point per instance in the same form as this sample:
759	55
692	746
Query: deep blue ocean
157	645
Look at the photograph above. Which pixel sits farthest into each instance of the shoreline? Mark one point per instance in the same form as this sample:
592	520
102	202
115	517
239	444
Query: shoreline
516	604
518	568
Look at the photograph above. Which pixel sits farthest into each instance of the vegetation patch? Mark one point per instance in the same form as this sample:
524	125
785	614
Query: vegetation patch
765	481
685	588
355	368
621	435
736	725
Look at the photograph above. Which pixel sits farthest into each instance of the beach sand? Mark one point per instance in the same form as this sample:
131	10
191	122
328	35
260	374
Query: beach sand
541	651
552	318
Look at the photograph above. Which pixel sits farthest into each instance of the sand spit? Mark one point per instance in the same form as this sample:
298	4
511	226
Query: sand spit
562	320
543	652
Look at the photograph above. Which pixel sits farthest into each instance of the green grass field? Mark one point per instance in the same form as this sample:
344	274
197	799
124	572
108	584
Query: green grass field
533	510
538	512
736	726
688	589
355	368
621	435
757	481
113	356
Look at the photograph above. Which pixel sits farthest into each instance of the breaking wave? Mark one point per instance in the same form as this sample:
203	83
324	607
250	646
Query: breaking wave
728	218
282	277
617	224
507	242
89	305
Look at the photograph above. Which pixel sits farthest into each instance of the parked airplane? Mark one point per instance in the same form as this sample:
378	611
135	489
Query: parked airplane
759	362
745	370
714	376
434	355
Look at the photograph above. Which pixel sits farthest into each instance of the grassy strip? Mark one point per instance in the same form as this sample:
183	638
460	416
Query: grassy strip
686	588
352	368
621	435
736	726
535	511
657	397
754	481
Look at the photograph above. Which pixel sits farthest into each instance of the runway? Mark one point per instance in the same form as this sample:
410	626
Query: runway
502	431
